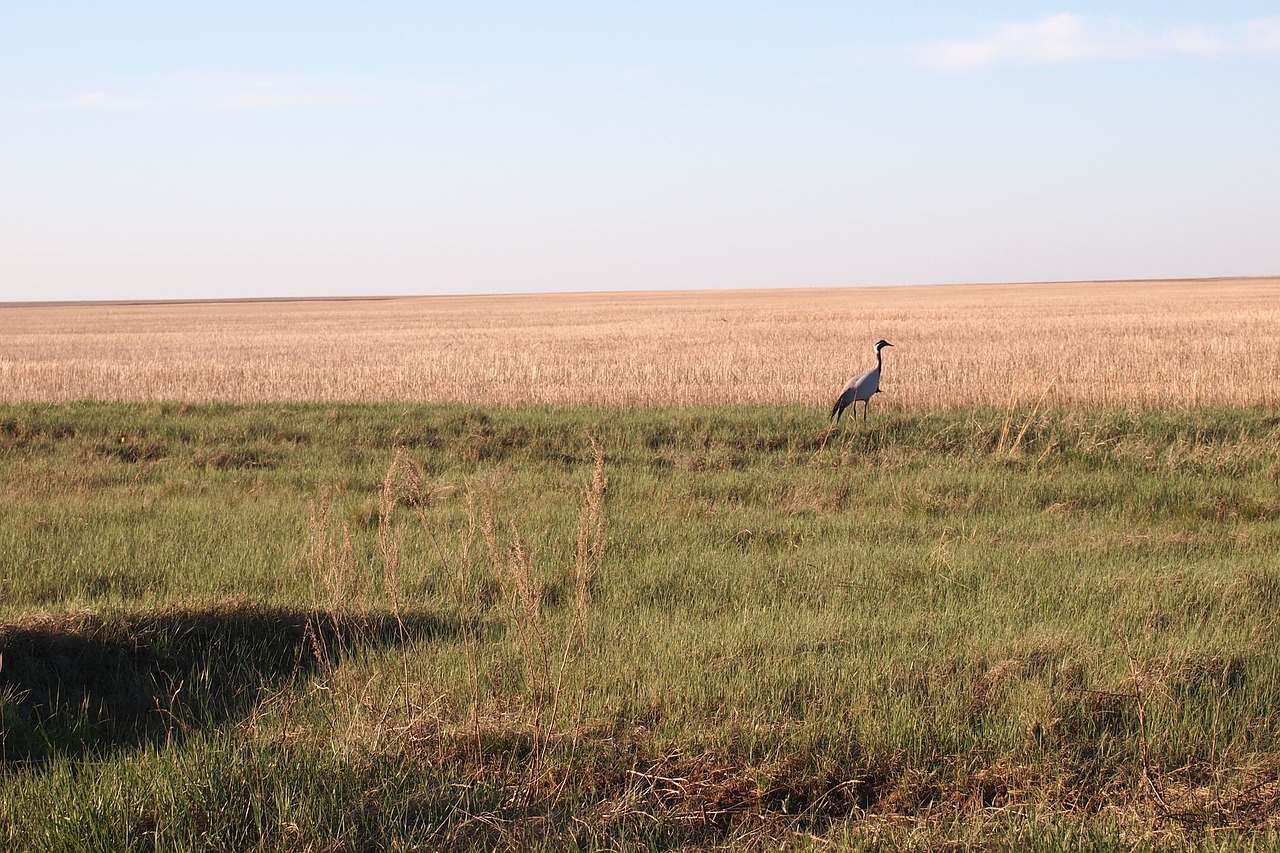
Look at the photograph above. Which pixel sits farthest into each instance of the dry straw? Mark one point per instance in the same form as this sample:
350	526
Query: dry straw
1179	343
591	540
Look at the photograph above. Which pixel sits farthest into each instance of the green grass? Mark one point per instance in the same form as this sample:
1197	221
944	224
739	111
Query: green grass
300	627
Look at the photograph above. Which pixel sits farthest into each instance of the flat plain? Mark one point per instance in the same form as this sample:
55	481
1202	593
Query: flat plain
594	572
1172	343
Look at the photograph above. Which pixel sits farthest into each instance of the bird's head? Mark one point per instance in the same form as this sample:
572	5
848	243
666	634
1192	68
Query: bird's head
881	344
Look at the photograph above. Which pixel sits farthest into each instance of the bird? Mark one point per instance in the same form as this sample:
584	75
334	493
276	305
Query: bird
860	387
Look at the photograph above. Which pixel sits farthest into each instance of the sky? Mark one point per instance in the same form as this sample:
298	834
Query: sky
181	150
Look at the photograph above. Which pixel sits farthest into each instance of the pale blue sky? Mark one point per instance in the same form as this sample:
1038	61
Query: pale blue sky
163	150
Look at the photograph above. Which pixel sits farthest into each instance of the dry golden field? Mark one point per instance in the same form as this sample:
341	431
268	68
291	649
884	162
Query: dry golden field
1162	343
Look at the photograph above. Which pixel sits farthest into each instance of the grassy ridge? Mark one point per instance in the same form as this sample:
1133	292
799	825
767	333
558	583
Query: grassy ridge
304	626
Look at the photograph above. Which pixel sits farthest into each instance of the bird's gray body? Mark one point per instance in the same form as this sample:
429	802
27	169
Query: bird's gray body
861	387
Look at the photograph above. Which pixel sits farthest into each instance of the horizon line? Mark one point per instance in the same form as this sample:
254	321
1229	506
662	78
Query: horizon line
387	297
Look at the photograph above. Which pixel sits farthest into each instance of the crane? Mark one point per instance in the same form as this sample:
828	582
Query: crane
860	387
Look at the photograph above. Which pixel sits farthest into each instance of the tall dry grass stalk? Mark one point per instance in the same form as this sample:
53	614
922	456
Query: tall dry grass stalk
514	564
528	590
591	540
469	608
403	483
334	580
332	560
513	561
1161	343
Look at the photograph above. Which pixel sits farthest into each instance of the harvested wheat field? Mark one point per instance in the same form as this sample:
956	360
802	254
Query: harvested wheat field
1159	343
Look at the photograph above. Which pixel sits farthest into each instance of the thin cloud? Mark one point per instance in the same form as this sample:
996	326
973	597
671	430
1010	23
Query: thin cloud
1260	36
252	93
637	72
107	102
1065	38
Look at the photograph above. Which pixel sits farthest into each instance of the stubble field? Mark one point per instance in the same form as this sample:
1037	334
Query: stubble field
594	572
1180	343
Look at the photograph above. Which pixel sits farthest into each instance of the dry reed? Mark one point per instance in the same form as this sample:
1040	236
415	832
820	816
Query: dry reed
333	572
1161	343
538	633
591	540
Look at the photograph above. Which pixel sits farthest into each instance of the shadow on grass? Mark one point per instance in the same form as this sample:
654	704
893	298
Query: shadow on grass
84	684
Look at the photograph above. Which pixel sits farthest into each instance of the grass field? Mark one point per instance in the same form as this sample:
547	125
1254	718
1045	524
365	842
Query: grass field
1181	343
997	619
